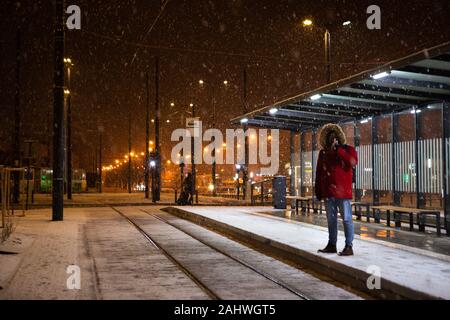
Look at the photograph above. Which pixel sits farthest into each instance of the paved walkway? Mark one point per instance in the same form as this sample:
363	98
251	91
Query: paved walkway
422	272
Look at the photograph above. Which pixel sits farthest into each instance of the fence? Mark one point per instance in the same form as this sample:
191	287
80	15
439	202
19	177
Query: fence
6	184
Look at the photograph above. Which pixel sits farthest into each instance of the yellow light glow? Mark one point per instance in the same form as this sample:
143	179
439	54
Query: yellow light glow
117	161
142	153
169	162
307	23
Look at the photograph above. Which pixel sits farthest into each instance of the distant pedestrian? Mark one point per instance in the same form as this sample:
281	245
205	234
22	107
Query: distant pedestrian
334	178
186	195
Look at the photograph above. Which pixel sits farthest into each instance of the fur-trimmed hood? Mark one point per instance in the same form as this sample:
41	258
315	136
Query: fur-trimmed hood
326	129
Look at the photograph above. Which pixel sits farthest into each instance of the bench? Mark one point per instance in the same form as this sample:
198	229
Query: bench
358	210
301	200
421	215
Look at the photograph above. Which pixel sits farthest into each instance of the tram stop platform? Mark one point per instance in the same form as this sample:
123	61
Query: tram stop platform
409	265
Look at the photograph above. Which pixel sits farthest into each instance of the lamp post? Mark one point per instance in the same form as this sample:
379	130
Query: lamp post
193	153
58	115
69	65
153	168
147	139
309	23
100	165
213	101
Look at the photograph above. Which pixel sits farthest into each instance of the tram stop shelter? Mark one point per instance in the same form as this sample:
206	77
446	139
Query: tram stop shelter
397	116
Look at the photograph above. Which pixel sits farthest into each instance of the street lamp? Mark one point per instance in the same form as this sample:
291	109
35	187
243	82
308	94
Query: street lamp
68	63
213	101
309	23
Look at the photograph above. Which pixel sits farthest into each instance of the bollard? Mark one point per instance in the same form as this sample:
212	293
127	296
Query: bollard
176	195
196	196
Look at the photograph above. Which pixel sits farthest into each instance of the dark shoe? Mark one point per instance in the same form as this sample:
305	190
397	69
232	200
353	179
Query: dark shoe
329	249
348	251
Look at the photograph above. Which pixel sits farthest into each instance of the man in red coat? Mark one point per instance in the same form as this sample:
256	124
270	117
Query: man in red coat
334	178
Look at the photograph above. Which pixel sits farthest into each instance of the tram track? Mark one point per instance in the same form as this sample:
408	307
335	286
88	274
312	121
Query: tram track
156	245
210	292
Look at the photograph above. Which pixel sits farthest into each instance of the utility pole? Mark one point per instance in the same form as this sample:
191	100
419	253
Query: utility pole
193	154
245	169
147	139
16	133
129	151
69	131
58	115
214	149
100	165
157	190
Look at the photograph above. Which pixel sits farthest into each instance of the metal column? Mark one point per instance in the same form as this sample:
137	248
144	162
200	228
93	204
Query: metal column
375	193
446	163
292	164
358	190
420	195
313	160
302	171
58	116
394	139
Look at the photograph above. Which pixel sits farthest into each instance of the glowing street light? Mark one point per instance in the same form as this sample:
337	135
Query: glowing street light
307	23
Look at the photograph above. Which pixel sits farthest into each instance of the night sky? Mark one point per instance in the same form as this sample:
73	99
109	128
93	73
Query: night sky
209	40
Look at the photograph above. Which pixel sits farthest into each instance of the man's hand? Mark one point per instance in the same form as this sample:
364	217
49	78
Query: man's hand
335	144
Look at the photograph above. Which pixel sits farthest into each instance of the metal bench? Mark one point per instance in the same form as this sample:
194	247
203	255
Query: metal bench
300	200
421	215
358	210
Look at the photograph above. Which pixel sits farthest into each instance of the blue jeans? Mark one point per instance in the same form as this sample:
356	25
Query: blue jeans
345	209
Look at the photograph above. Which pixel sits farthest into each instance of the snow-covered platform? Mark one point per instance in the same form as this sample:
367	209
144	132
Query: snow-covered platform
405	271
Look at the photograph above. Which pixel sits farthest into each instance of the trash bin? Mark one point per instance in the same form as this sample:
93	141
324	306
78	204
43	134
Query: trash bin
279	192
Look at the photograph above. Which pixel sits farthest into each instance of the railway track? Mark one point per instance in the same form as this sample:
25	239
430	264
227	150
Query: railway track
209	291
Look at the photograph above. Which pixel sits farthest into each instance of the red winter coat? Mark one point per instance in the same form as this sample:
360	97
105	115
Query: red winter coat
334	173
